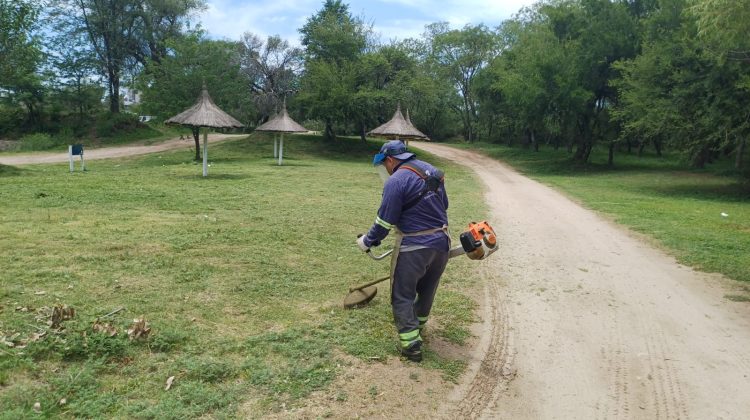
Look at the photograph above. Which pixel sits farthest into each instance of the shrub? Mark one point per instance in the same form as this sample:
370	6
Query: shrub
110	124
37	141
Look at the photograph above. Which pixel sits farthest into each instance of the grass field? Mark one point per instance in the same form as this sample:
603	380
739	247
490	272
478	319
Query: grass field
700	216
240	276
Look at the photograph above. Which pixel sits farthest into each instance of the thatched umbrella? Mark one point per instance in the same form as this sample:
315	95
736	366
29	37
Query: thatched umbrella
280	124
398	127
204	113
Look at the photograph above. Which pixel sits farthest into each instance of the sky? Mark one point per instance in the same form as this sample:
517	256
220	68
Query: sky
392	19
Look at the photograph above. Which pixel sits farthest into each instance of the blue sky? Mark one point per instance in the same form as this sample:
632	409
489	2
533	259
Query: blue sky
392	19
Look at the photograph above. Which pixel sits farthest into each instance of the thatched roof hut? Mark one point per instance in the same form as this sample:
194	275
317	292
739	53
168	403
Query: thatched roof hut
281	123
204	113
398	127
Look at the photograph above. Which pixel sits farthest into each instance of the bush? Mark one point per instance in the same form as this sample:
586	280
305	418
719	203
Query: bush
110	124
11	120
37	141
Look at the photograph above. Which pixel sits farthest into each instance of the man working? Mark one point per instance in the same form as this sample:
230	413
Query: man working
415	204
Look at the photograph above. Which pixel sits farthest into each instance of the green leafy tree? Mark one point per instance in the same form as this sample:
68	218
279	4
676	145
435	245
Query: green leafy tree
173	83
723	26
75	66
124	34
459	56
334	41
676	91
21	56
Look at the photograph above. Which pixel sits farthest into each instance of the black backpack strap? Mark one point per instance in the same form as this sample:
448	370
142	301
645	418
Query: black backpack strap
432	182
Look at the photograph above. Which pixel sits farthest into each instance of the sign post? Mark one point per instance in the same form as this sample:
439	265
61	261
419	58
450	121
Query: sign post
76	150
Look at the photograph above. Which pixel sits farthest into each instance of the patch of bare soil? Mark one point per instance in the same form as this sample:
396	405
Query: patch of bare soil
388	389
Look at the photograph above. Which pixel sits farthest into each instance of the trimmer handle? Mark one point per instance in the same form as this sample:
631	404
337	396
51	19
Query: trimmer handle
378	257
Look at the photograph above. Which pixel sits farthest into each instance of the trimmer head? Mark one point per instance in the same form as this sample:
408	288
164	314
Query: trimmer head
360	297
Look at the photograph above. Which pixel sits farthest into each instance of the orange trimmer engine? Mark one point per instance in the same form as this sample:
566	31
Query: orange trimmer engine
479	241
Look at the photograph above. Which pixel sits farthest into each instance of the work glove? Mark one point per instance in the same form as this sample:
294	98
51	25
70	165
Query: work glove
361	243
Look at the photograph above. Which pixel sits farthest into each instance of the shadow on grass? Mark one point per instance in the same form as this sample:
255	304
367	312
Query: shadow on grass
707	191
214	176
8	171
344	149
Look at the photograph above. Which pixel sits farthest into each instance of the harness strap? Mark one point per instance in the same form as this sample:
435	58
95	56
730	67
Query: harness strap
432	183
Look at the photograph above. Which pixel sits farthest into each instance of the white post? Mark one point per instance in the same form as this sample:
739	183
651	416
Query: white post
205	151
83	164
275	145
70	157
281	149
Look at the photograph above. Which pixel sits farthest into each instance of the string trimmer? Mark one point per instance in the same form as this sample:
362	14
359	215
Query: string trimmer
477	242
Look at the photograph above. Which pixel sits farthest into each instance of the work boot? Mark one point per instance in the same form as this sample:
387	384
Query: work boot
413	352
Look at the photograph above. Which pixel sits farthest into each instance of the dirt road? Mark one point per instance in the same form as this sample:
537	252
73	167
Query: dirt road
113	152
583	320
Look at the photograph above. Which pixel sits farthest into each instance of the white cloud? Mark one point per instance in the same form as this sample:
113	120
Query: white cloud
392	18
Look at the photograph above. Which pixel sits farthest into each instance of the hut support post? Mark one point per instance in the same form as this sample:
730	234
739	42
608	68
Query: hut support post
281	149
205	151
275	145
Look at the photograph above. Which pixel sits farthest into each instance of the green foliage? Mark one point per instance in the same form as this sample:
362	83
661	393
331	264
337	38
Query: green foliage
173	83
122	32
168	338
208	370
676	92
334	35
458	56
38	141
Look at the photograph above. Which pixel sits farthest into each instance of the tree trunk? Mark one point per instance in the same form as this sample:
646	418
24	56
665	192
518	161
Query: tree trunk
740	151
114	92
701	158
363	132
657	146
641	147
534	142
589	148
196	136
611	159
630	146
329	134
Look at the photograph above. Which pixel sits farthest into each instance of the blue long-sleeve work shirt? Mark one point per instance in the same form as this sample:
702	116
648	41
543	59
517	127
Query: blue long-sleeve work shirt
430	212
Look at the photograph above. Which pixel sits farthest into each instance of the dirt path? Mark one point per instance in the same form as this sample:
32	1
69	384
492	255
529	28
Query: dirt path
583	320
113	152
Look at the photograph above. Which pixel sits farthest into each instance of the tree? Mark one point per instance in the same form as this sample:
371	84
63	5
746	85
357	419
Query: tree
20	55
334	42
723	26
459	56
334	34
272	68
125	33
75	65
677	91
173	83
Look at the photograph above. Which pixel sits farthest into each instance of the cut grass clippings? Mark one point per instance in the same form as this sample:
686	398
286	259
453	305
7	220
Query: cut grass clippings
701	216
240	276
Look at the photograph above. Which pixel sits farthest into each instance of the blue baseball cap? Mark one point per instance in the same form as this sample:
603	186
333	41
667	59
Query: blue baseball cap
393	148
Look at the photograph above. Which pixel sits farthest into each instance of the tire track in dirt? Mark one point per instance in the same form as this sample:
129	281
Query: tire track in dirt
495	367
589	321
